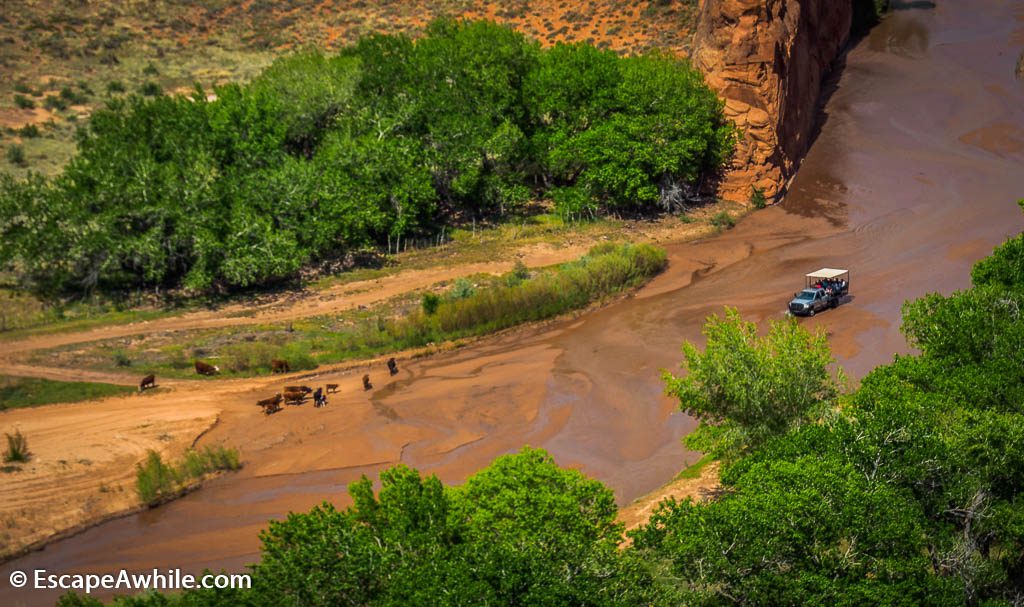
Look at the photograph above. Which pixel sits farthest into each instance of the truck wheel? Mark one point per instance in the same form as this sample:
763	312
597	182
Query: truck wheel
811	312
834	303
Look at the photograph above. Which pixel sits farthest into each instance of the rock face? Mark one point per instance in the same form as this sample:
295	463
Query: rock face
767	60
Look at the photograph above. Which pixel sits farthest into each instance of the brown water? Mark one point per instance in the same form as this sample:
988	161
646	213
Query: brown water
912	178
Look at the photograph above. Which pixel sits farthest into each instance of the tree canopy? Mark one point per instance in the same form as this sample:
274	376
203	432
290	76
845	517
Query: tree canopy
389	139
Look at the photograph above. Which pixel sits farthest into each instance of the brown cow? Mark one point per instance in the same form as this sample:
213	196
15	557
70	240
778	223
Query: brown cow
366	382
294	398
206	369
392	366
271	408
273	400
279	366
148	381
303	389
332	388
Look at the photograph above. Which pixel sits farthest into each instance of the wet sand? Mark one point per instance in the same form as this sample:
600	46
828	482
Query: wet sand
910	181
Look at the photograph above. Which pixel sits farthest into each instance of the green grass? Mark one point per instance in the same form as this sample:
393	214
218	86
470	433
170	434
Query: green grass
17	392
156	480
469	307
696	469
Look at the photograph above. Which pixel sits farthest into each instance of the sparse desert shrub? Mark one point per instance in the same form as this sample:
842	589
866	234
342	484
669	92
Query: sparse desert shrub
150	70
151	89
16	155
55	102
24	102
115	86
17	448
29	131
723	220
121	358
757	198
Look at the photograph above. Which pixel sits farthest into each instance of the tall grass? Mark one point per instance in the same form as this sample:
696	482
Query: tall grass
606	270
156	480
17	448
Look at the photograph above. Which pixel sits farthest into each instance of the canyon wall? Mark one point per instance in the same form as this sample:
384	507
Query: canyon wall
767	60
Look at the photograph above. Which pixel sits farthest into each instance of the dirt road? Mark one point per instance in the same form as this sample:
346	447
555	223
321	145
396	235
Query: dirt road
907	185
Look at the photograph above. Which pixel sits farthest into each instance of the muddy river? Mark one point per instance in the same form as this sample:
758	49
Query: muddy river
912	178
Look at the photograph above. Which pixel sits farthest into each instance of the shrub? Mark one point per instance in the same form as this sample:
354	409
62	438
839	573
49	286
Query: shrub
17	448
156	480
757	198
518	274
430	303
723	220
24	102
462	289
150	70
16	155
150	89
121	358
54	102
29	131
115	86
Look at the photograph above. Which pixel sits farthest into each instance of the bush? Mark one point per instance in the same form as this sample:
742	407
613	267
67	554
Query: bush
757	199
723	220
121	358
16	155
430	303
55	103
462	289
24	102
150	70
29	131
115	86
156	480
17	448
151	89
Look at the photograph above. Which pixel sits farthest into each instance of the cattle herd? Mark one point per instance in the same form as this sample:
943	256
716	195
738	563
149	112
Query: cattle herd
291	395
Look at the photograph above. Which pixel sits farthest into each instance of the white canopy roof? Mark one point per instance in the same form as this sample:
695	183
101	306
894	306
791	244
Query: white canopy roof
827	273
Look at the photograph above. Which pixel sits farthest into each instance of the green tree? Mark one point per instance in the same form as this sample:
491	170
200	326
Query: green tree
745	388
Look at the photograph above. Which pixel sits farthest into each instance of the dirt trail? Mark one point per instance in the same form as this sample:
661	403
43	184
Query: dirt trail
333	300
889	189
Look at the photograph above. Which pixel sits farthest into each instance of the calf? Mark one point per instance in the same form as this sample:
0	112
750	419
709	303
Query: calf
148	381
392	366
206	369
279	366
332	388
366	382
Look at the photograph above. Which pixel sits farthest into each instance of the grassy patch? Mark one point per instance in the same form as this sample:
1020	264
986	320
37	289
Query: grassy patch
157	481
468	307
16	392
696	469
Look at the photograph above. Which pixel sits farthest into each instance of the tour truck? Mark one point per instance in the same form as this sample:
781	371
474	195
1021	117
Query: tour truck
824	288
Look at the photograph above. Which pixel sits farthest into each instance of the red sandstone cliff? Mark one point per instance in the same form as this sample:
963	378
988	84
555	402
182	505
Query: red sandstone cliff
767	59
